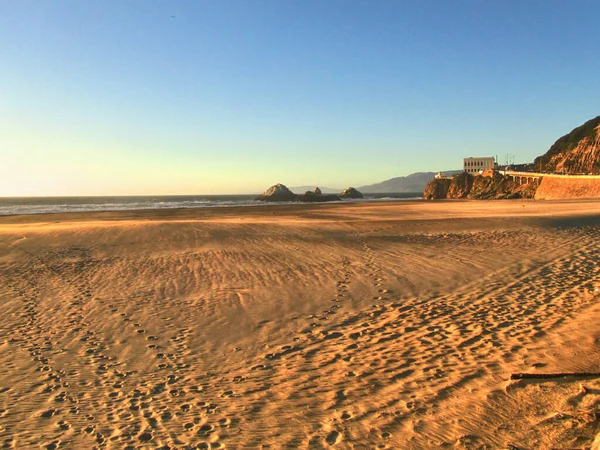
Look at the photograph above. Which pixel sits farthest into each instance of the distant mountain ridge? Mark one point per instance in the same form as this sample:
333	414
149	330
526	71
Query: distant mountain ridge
415	182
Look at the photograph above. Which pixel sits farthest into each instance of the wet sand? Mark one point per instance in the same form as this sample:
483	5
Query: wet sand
365	325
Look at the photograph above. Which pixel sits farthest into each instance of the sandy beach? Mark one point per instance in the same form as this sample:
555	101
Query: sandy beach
360	325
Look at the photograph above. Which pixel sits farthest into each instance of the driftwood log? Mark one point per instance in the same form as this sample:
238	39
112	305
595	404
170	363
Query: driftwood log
526	376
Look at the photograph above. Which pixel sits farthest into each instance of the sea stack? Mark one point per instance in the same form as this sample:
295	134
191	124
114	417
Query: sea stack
278	193
350	192
317	196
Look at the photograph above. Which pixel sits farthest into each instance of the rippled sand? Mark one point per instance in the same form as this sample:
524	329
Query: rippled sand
387	325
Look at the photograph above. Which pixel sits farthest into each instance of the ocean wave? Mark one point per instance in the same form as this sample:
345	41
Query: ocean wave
9	207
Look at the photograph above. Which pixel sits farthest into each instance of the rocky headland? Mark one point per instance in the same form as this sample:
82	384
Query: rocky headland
491	185
576	154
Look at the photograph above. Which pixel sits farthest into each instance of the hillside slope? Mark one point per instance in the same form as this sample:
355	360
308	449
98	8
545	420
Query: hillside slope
415	182
576	152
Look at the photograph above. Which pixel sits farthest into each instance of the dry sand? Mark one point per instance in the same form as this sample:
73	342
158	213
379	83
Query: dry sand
387	325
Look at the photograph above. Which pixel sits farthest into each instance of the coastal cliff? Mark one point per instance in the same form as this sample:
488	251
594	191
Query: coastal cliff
490	185
436	189
575	153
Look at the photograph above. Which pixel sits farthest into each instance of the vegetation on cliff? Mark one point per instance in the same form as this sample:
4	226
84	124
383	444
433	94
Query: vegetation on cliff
576	152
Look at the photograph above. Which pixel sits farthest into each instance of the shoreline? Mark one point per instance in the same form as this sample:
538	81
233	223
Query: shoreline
446	208
151	204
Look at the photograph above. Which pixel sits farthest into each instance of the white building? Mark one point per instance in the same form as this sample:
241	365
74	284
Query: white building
476	165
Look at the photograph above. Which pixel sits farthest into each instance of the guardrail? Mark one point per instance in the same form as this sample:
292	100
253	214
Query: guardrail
542	174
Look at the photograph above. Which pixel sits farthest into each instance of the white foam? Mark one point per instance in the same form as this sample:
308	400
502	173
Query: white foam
16	208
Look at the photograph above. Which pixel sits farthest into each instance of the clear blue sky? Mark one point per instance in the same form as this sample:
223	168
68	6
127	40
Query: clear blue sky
120	97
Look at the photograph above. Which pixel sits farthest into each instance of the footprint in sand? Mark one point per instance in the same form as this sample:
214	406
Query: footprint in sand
63	425
205	429
333	438
224	422
49	413
333	335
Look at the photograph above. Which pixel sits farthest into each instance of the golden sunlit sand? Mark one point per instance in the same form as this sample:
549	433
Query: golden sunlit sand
367	325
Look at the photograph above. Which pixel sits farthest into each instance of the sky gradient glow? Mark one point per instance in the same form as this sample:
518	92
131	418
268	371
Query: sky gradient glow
106	97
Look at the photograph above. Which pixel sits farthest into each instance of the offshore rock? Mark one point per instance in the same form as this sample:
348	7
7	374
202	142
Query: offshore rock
350	192
278	193
310	197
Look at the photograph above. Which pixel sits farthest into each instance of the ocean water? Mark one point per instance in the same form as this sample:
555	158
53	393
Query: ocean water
40	205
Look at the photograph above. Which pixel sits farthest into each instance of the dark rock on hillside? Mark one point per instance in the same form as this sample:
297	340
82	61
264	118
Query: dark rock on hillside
277	193
494	187
437	189
350	192
491	185
460	185
574	153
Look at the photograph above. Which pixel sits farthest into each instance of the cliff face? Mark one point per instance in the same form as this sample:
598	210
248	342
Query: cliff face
576	152
498	187
437	189
461	185
489	186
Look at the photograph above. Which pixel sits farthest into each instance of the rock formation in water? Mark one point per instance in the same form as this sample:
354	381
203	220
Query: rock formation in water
350	192
280	193
316	196
575	153
277	193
